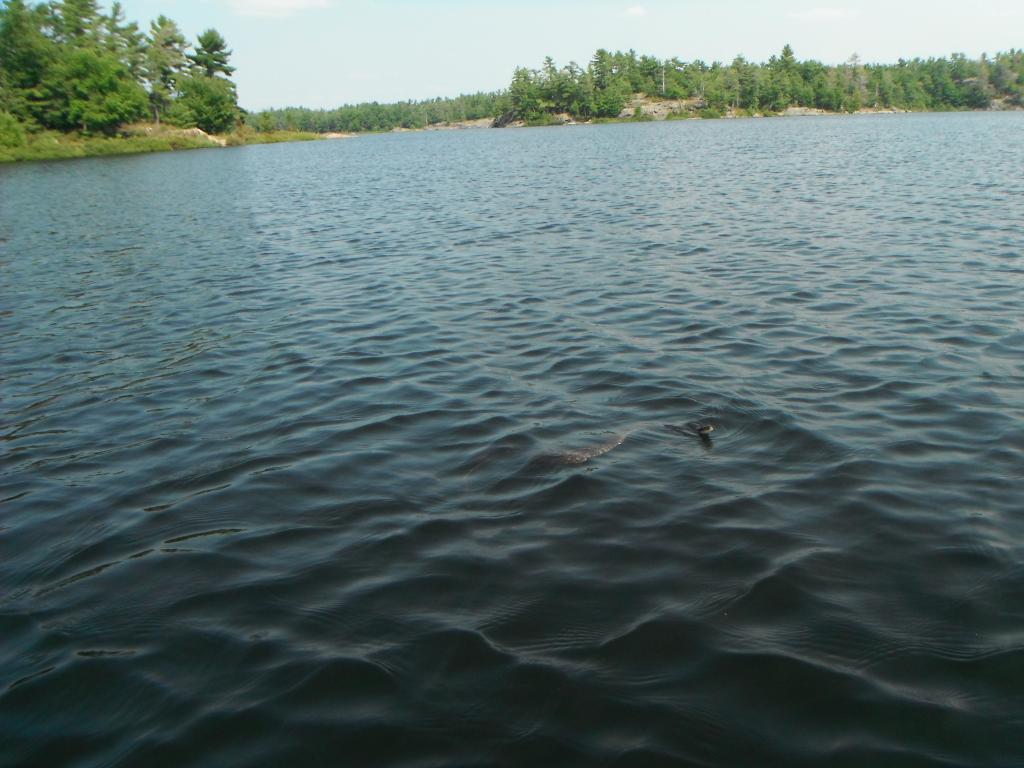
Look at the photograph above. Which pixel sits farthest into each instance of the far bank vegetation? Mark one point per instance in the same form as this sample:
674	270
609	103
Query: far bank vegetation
75	81
610	85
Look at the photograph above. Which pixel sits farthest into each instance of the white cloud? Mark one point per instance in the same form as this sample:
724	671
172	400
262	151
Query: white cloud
635	11
824	14
275	8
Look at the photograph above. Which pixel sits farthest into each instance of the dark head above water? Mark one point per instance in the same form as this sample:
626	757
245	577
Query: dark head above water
700	429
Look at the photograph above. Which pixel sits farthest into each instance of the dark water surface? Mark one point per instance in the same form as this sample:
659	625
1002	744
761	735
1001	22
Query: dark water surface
296	456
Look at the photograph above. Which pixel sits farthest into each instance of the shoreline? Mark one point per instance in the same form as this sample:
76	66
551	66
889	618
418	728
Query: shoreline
144	138
672	110
149	138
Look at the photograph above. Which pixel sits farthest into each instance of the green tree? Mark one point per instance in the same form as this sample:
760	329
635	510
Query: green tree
602	69
77	22
788	58
12	134
94	92
26	54
525	95
211	56
206	102
610	101
827	93
165	63
714	89
854	84
732	79
124	40
611	84
583	106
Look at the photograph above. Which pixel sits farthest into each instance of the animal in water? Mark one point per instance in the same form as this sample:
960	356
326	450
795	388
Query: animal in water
582	455
701	429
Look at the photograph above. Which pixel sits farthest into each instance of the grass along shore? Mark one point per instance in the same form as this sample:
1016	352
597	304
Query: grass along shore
136	139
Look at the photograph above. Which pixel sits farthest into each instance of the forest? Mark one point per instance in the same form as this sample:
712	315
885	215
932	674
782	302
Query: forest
609	80
602	89
70	71
382	117
66	66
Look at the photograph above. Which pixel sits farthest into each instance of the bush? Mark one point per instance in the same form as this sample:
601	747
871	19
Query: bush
205	102
12	134
245	135
543	119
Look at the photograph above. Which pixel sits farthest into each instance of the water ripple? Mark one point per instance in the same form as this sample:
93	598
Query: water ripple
386	452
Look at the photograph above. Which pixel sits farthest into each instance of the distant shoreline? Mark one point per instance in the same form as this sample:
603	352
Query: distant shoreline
148	138
667	110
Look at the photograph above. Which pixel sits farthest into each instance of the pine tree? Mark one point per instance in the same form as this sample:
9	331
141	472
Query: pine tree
125	40
788	58
26	53
211	56
78	22
165	63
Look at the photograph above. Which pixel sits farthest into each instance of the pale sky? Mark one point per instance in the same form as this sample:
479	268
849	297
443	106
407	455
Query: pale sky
324	53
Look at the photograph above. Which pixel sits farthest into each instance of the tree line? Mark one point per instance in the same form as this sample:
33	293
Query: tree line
609	80
604	87
381	117
66	66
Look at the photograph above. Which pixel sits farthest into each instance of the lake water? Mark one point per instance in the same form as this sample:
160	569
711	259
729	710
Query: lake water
355	452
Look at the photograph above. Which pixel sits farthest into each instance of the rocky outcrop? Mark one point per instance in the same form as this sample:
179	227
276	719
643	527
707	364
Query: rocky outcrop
658	109
1003	105
504	120
458	125
154	129
199	133
801	111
